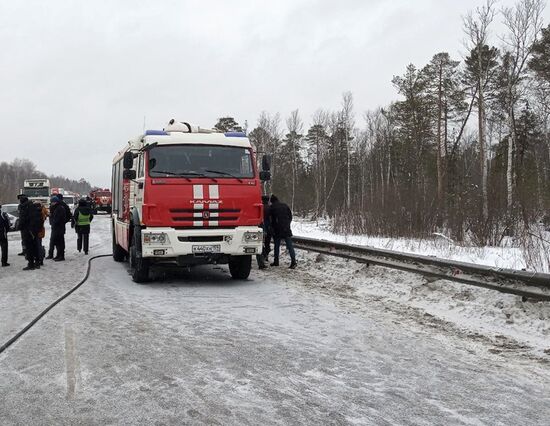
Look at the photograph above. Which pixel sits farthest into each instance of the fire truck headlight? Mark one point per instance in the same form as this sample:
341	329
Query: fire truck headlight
155	238
252	236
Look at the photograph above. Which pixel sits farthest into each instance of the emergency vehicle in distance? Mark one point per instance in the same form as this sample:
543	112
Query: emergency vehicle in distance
187	196
101	200
37	190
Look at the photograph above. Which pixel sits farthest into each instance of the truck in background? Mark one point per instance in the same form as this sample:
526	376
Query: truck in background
102	200
187	196
38	190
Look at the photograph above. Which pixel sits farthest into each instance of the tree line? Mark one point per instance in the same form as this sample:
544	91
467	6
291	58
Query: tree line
464	150
13	175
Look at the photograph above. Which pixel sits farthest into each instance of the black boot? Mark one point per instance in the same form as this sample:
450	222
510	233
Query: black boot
5	264
59	259
293	264
29	267
49	256
275	263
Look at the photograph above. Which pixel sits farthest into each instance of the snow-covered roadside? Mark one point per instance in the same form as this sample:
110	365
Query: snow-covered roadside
501	257
476	313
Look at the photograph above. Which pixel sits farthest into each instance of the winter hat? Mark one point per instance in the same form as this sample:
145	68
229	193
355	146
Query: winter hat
54	199
82	203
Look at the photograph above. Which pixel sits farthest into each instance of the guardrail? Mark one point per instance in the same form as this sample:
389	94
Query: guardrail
504	280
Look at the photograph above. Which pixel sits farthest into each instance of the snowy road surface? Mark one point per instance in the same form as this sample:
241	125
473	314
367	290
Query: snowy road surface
198	348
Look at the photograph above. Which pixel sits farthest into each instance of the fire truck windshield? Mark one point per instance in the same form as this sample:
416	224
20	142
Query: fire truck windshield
200	160
37	192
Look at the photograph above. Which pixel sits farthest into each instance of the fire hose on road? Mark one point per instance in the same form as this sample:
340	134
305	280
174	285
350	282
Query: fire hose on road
52	305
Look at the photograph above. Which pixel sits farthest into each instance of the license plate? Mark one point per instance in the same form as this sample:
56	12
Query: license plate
212	248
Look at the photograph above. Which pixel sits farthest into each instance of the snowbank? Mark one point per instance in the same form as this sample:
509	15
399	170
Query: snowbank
501	257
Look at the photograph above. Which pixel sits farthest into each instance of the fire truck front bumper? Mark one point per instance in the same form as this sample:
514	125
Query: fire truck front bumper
170	243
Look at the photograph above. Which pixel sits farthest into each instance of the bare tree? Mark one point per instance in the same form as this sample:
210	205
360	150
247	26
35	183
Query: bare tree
524	24
295	127
476	27
348	124
266	138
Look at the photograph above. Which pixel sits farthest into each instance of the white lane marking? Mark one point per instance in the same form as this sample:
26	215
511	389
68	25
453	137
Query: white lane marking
213	192
198	192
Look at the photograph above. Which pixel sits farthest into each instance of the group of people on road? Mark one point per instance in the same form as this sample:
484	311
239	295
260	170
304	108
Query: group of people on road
276	225
33	215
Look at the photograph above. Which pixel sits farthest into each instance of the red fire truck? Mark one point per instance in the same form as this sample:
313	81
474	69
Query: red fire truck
187	196
101	200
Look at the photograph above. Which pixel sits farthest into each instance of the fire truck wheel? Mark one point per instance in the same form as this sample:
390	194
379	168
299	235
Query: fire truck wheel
139	265
239	267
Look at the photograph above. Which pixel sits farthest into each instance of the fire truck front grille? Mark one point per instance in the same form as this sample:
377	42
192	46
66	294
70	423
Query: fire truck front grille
223	217
201	210
191	218
201	239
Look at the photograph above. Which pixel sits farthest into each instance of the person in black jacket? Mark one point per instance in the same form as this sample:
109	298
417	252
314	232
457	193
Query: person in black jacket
4	229
262	258
30	222
58	219
280	218
82	219
23	251
266	226
68	213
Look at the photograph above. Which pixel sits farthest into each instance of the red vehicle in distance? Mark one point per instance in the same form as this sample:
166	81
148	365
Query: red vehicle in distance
102	200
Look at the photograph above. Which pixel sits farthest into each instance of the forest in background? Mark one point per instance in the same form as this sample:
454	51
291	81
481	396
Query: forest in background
464	150
13	175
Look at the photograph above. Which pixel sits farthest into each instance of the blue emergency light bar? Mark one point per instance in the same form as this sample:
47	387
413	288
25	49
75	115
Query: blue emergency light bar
155	133
235	134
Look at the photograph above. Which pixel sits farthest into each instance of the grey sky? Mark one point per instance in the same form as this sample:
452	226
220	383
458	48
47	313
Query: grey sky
77	77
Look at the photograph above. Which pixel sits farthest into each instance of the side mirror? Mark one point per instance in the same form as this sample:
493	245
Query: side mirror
129	174
128	160
265	175
266	163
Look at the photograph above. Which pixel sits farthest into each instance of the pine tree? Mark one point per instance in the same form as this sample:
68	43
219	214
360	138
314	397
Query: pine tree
227	124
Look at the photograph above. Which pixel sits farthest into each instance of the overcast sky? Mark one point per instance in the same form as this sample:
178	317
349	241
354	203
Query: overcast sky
78	77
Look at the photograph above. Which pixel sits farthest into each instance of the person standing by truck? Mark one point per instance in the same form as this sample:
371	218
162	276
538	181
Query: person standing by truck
281	218
4	229
82	219
58	219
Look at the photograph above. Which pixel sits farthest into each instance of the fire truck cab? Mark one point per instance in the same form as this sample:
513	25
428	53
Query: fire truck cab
187	196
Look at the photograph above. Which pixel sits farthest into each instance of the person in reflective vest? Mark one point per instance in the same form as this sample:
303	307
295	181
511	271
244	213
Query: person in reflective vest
82	219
